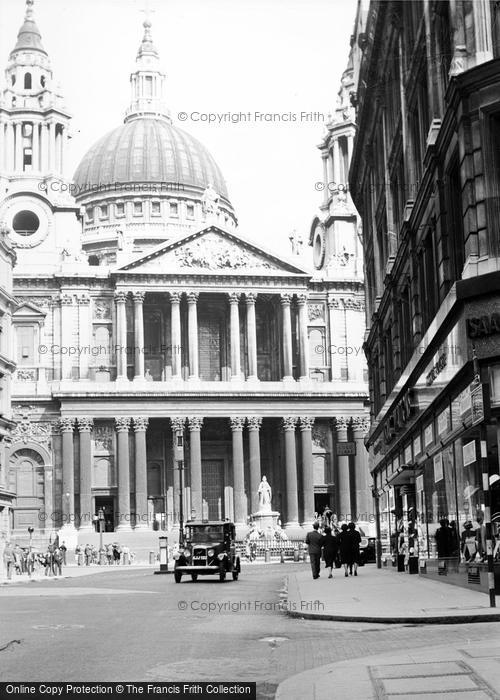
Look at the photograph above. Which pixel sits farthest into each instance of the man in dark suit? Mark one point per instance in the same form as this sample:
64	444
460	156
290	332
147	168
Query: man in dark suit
314	542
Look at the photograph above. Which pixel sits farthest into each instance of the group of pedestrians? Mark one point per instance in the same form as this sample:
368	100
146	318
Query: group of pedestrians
25	560
111	554
337	547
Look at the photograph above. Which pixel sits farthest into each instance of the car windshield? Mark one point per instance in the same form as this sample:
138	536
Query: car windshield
206	533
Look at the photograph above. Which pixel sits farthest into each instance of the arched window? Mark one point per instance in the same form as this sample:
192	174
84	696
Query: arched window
93	260
27	81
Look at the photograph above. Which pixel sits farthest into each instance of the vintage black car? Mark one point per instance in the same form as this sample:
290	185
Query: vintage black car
207	547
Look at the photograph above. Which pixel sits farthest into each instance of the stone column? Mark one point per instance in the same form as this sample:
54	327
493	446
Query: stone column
85	426
287	336
234	299
18	166
35	156
66	335
85	333
306	426
52	147
250	299
324	156
44	148
303	337
482	30
10	147
254	424
175	324
68	472
122	428
240	502
178	453
121	335
292	506
192	299
343	481
364	482
141	474
195	424
138	335
336	163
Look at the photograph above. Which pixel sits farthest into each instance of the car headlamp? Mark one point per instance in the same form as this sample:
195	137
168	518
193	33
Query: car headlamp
187	553
210	552
177	555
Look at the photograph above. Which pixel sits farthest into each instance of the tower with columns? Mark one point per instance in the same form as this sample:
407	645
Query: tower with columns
143	352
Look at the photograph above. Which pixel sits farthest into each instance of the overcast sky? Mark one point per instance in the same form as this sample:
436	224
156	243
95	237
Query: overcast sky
279	56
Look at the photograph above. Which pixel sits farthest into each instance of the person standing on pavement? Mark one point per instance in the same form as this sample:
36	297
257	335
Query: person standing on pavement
330	550
63	549
444	539
314	542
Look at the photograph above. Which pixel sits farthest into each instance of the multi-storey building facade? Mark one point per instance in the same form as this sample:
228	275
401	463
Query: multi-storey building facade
425	176
7	368
143	316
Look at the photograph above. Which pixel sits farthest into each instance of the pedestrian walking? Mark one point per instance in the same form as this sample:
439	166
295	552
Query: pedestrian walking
314	542
63	549
57	561
8	560
354	539
109	553
330	550
47	561
88	554
116	553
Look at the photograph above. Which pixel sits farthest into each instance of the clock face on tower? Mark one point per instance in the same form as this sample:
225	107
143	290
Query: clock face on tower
319	246
28	219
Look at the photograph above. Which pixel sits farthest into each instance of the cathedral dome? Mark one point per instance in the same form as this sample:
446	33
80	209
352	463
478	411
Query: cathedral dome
146	150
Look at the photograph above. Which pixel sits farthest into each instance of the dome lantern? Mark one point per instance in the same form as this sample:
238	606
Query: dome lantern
147	82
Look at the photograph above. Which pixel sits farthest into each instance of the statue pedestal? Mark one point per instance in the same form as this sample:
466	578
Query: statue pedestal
265	520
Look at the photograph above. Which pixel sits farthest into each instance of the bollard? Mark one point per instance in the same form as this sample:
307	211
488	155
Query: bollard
267	556
152	558
126	558
296	557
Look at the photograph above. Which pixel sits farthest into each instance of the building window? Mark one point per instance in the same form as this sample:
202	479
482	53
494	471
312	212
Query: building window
190	211
148	86
25	223
93	261
174	209
454	222
25	345
27	159
104	211
137	208
155	208
27	81
89	213
428	280
120	209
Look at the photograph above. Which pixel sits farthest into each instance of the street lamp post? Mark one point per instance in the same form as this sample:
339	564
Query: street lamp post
101	520
180	467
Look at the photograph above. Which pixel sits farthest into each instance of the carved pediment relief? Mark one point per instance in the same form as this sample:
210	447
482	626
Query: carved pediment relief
211	251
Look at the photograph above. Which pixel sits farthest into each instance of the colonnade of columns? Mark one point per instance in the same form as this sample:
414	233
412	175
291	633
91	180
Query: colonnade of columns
47	142
193	343
349	492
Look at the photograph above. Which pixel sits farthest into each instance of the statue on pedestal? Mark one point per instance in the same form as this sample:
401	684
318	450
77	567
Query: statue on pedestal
265	494
210	202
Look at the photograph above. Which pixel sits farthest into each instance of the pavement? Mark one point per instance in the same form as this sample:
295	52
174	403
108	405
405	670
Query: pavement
71	571
469	671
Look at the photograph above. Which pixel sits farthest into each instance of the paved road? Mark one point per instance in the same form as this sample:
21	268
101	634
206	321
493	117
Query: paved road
132	625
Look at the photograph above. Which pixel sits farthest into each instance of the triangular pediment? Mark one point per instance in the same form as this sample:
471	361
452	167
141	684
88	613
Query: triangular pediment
28	310
211	251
